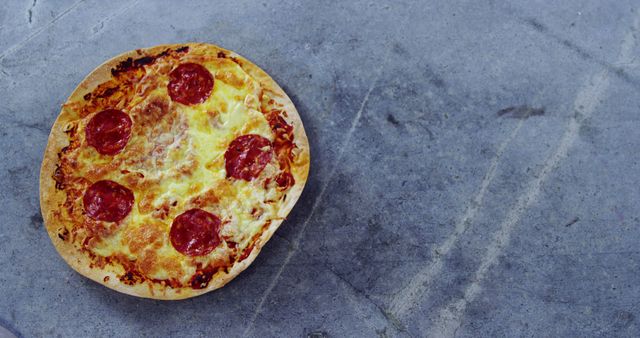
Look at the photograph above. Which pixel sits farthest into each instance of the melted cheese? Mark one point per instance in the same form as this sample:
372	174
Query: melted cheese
175	154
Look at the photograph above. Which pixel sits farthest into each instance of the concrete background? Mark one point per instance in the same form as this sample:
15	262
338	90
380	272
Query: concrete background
475	167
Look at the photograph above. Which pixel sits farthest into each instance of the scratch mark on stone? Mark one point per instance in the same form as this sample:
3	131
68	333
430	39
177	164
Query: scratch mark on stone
39	31
572	222
521	112
417	288
451	316
30	10
314	207
353	302
41	127
100	25
353	290
392	119
317	334
582	52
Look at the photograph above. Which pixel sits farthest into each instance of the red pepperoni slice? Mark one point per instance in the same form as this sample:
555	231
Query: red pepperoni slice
190	83
107	201
108	131
195	232
247	156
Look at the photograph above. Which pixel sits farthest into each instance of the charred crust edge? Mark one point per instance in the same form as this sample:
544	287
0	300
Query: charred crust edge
131	63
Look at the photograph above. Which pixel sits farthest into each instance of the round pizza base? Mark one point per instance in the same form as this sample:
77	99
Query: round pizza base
51	198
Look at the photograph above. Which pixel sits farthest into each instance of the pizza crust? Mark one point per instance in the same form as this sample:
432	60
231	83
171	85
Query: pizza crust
51	198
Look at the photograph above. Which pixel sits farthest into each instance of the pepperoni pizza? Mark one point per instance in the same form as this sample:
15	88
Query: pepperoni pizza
169	168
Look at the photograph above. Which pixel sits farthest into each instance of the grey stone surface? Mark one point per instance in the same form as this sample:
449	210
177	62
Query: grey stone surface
475	167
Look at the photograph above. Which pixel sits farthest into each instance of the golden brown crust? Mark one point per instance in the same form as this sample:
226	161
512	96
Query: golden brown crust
51	198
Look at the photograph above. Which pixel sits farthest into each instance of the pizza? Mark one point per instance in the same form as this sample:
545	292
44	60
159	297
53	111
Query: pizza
169	168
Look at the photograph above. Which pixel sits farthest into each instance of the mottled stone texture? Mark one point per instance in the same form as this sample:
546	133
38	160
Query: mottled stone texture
474	167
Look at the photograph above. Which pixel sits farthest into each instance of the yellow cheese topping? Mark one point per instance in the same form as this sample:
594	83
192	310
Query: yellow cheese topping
173	162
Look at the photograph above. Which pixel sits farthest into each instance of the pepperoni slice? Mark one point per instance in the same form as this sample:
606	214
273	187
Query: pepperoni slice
107	201
108	131
247	156
195	232
190	83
